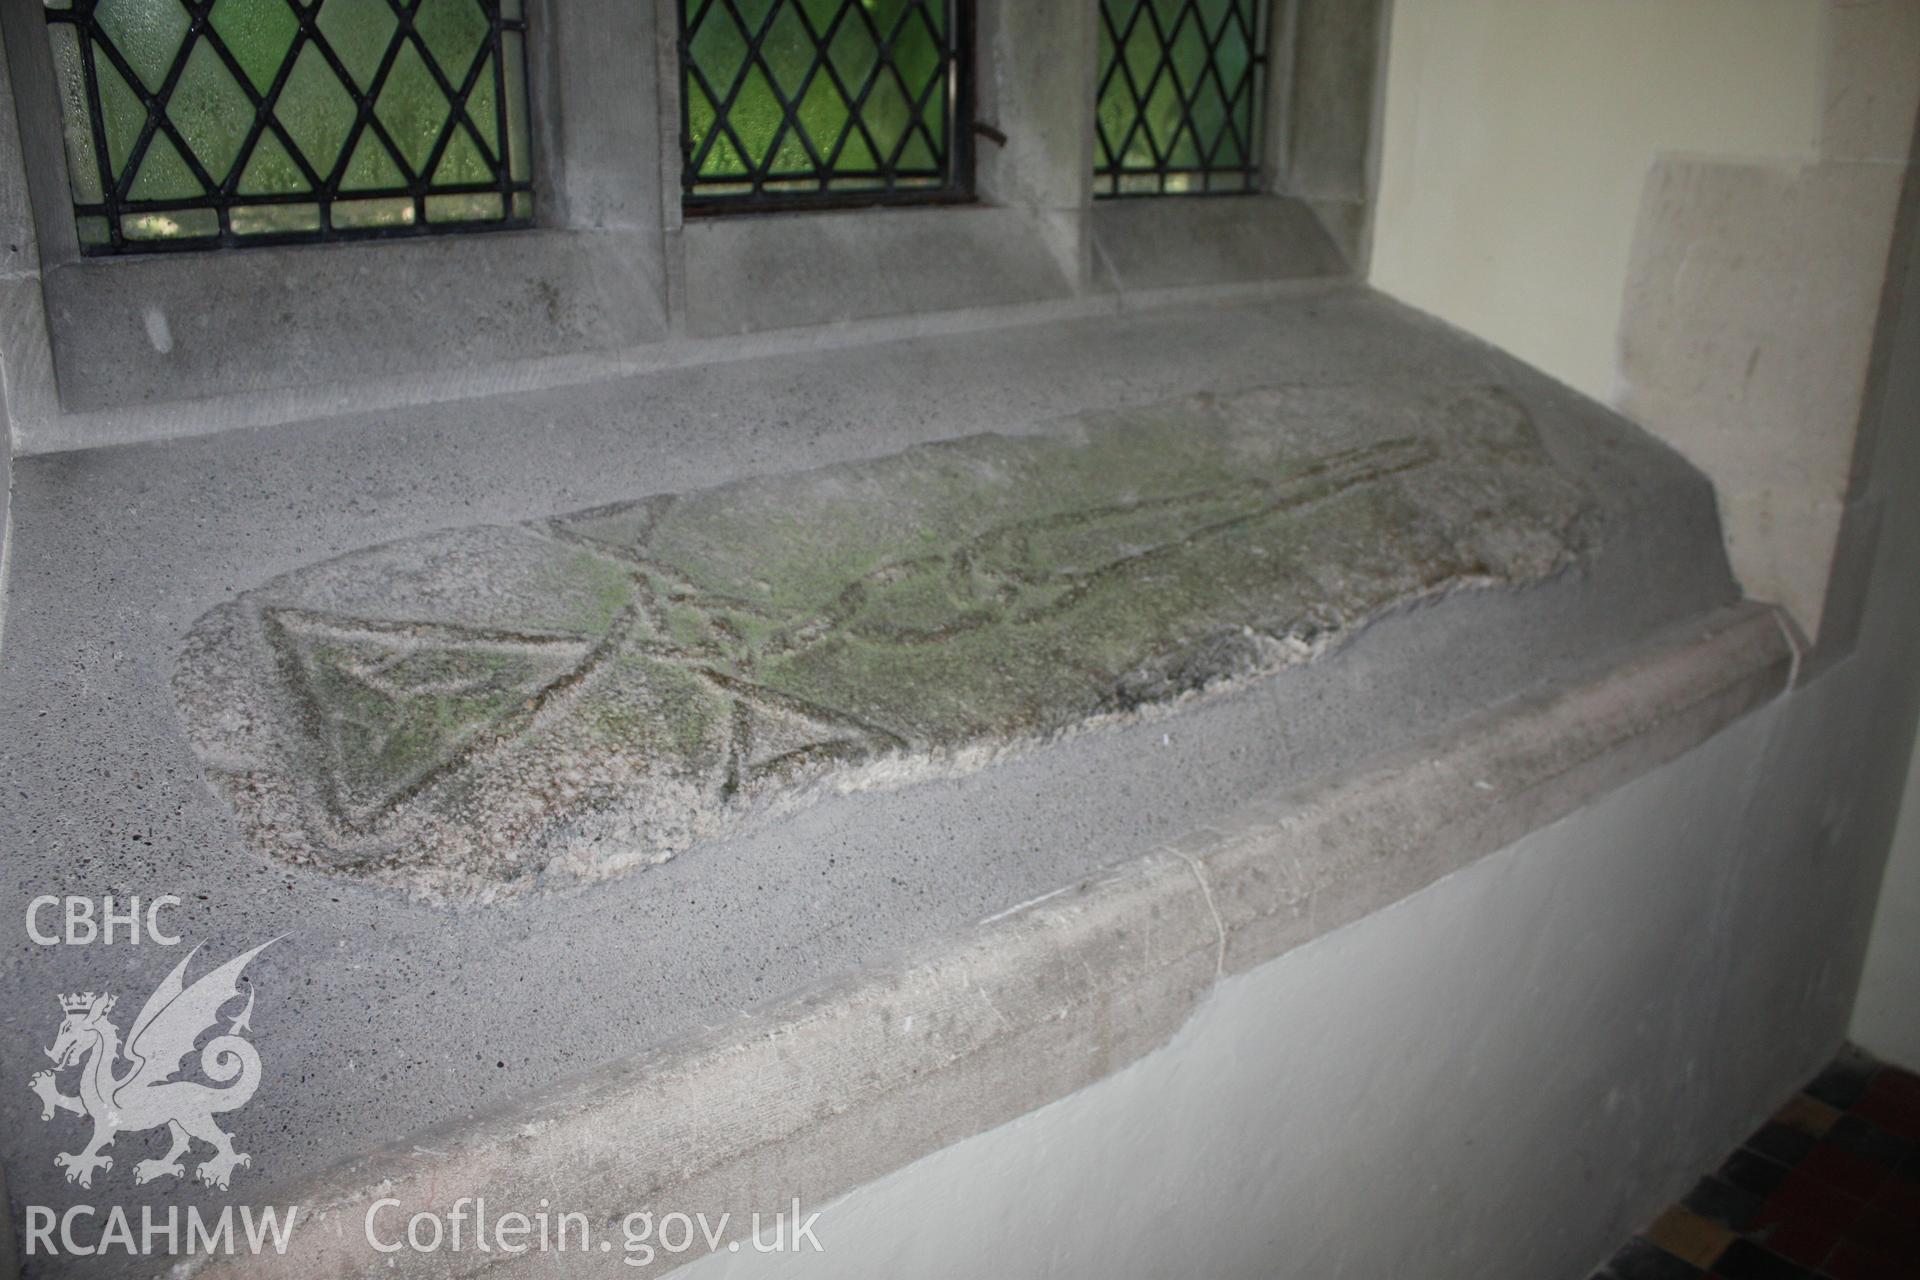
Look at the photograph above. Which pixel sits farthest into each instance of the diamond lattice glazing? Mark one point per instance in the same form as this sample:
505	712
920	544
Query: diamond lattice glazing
1180	96
194	123
805	100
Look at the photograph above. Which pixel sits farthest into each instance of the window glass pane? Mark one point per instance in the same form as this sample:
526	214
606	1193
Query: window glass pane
1181	93
796	101
275	120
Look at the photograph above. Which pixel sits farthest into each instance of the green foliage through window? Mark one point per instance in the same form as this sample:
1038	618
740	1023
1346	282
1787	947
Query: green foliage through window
808	100
192	123
1181	91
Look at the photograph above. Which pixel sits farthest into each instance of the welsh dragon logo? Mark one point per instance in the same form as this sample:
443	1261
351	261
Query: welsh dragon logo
146	1093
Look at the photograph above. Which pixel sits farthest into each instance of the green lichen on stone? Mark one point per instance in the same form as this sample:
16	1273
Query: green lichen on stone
684	657
590	594
667	712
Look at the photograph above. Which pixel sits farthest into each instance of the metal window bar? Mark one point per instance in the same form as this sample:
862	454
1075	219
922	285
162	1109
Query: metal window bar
760	182
508	161
1180	94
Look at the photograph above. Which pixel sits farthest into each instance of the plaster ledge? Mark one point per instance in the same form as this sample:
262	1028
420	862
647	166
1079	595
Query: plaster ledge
827	1091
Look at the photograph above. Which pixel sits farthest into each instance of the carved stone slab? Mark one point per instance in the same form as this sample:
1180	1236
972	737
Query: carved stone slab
491	708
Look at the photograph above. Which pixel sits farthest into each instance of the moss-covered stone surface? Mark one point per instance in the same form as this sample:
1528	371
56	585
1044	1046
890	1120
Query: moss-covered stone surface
492	708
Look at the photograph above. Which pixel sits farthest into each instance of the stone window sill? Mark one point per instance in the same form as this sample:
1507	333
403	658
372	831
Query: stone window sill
861	1077
145	330
750	272
169	344
1239	824
1195	242
747	274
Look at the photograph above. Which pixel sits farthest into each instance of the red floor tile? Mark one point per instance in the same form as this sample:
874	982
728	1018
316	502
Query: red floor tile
1804	1219
1850	1262
1843	1170
1828	1189
1899	1195
1902	1086
1891	1114
1895	1235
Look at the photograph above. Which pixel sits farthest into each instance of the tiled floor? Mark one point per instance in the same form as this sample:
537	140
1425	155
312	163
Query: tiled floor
1828	1188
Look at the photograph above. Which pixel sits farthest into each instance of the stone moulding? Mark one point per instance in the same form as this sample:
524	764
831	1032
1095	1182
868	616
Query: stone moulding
487	709
824	1092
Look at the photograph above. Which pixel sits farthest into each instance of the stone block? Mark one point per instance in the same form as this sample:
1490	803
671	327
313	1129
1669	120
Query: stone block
752	272
497	707
169	327
1174	243
1751	304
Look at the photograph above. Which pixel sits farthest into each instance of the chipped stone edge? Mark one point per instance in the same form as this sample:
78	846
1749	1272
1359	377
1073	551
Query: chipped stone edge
827	1091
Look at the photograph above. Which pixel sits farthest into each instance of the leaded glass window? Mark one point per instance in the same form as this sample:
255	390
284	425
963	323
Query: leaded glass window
195	123
1181	91
803	102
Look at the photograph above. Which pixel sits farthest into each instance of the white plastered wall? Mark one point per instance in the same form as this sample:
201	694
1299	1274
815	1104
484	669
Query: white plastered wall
1682	209
1518	137
1886	1017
